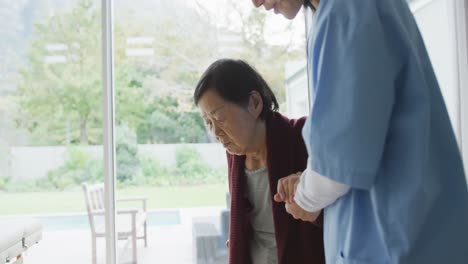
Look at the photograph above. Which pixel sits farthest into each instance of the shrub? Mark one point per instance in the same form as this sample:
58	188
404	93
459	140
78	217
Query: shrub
192	169
77	168
4	183
132	169
128	164
22	186
154	173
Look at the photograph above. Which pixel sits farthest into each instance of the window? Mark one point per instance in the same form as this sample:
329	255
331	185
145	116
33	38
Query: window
50	122
51	119
161	49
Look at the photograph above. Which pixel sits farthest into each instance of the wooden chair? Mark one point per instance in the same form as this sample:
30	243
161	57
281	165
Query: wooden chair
130	223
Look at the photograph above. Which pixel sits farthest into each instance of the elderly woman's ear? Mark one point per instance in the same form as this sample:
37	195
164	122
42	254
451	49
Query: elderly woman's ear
255	104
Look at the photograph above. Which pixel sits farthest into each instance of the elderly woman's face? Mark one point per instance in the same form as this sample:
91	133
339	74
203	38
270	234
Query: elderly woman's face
288	8
233	126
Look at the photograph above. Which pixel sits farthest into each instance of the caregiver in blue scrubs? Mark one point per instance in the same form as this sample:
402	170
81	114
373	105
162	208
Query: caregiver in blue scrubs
383	160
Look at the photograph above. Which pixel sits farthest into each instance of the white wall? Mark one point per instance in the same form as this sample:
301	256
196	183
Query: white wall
212	153
296	85
444	25
435	21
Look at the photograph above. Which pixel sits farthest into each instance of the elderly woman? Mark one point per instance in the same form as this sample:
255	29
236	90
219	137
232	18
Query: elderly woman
262	147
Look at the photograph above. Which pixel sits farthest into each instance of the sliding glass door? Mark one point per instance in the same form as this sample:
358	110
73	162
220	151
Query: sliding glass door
164	153
100	141
51	126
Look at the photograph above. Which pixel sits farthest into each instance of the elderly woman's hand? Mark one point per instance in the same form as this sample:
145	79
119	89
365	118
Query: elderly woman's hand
285	193
298	213
287	188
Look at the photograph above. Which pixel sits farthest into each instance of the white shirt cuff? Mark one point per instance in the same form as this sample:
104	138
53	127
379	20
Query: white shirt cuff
315	192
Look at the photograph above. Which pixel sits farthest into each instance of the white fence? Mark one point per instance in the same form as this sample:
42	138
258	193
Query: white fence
35	162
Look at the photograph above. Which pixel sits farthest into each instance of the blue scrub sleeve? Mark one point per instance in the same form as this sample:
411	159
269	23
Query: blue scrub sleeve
354	73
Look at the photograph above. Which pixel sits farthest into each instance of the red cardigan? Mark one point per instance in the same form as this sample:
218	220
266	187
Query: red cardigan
298	242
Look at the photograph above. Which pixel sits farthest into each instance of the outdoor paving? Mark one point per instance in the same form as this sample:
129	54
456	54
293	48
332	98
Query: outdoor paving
171	244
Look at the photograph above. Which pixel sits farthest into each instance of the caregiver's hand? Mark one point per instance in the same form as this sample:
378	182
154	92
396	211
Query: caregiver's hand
285	193
287	188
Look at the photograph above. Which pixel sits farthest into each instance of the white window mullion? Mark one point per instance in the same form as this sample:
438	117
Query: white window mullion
109	134
460	12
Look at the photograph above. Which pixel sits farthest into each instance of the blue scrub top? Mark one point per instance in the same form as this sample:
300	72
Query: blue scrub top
379	125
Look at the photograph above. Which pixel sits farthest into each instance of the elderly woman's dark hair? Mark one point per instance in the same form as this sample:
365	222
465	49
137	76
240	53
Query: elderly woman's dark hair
234	81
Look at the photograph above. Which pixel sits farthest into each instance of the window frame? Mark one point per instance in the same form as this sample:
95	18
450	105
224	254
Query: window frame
460	22
109	129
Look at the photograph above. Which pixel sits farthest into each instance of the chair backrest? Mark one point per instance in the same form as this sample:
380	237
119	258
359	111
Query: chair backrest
94	197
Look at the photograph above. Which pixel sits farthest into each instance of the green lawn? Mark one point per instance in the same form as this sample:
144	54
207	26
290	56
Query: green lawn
73	201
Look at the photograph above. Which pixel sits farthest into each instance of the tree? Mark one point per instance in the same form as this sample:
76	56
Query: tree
60	97
250	25
62	102
165	123
54	96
